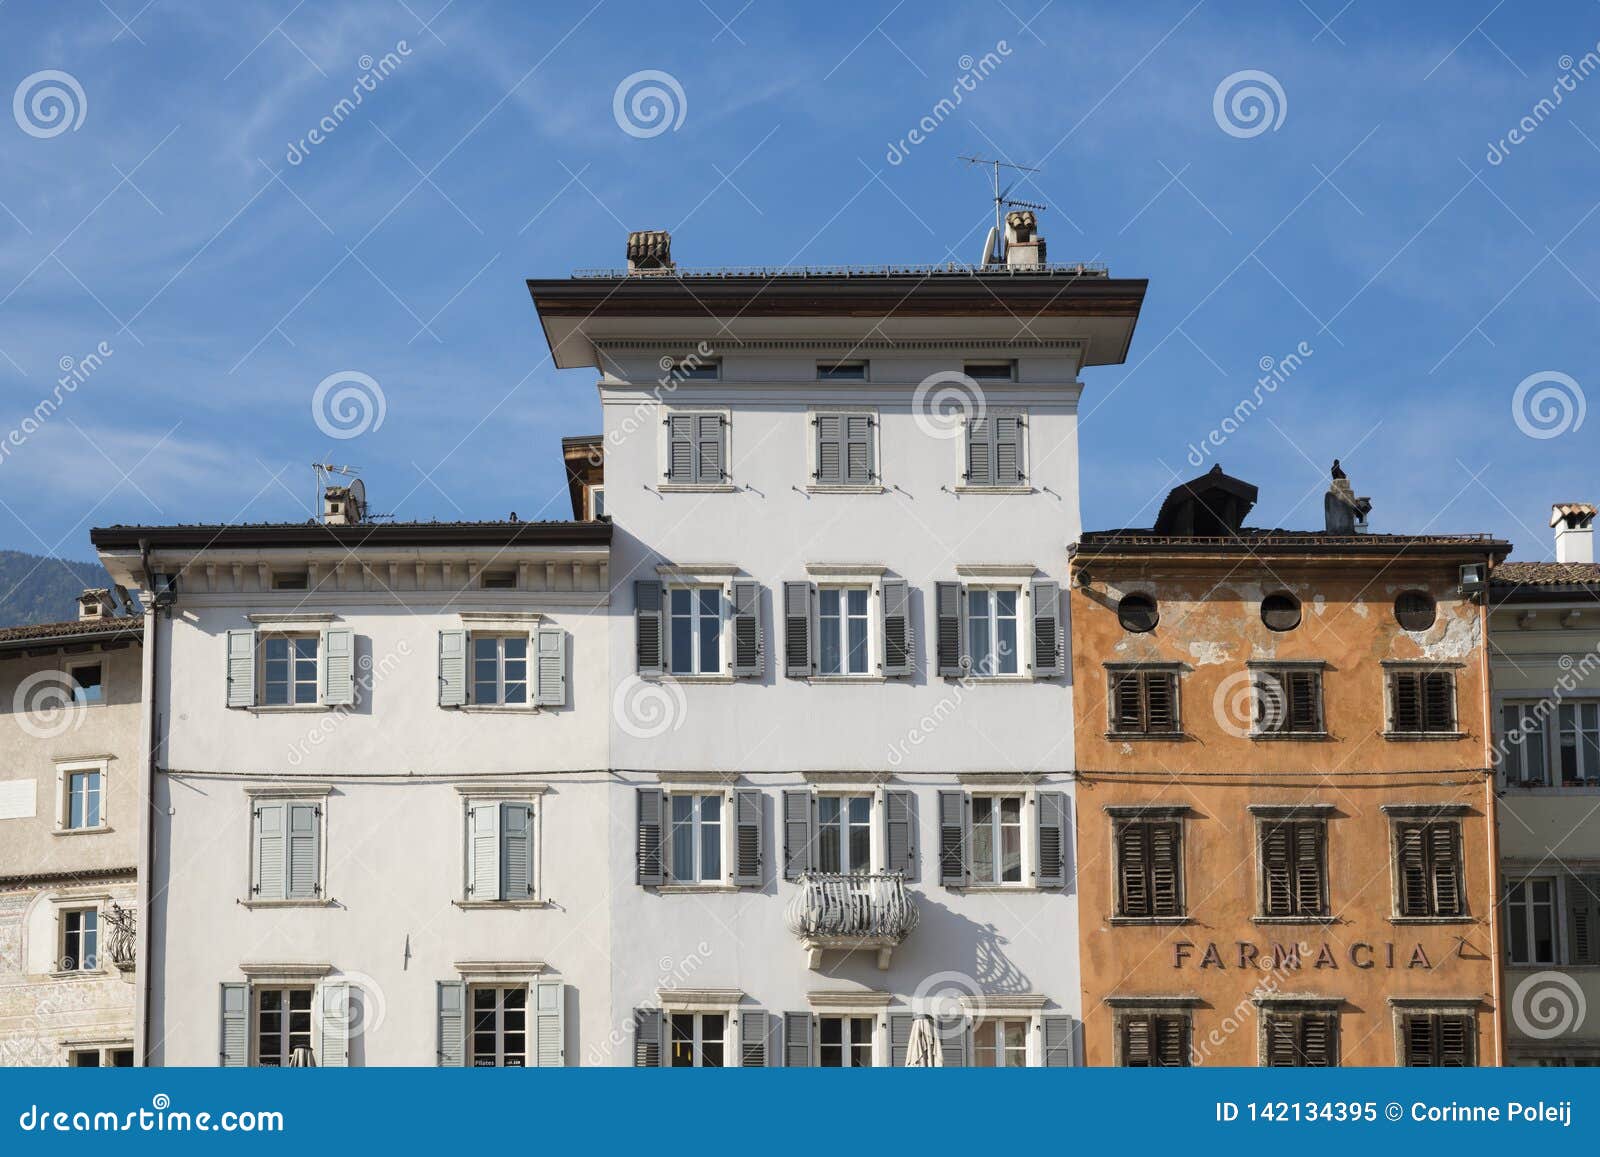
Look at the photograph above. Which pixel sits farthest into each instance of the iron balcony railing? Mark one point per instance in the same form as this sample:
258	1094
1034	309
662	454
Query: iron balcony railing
869	907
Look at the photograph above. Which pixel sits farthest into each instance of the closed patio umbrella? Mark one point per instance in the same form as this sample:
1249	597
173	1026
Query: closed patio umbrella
922	1050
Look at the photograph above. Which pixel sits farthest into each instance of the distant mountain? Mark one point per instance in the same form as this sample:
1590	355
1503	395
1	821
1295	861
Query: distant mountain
43	590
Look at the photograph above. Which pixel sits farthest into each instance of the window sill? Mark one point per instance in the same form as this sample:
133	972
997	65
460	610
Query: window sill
510	905
1148	736
1291	736
815	488
1433	920
675	678
974	677
823	680
80	974
319	903
693	889
993	889
94	831
495	709
964	489
285	708
696	488
1294	919
1424	736
1147	921
1582	788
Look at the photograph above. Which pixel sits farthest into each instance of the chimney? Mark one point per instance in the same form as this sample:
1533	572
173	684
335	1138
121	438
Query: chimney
1573	522
650	251
1343	512
344	505
96	603
1024	246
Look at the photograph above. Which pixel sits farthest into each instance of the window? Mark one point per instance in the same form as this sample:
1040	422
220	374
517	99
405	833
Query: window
1523	752
696	370
1149	868
844	1042
1428	867
1422	702
1137	613
995	450
695	626
1438	1040
597	502
843	631
100	1058
84	790
992	630
845	451
844	834
1293	1038
286	862
288	670
290	580
696	839
283	1025
86	684
500	670
1288	700
1000	1044
499	580
696	449
500	1028
999	371
996	856
1280	612
1294	868
1578	742
1144	701
855	371
699	1040
500	851
80	940
1415	610
1149	1040
1531	921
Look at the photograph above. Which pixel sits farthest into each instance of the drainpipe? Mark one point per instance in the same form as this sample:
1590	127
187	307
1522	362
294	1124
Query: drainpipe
147	741
1492	811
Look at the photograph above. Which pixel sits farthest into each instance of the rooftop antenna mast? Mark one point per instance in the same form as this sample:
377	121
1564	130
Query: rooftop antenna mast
323	470
994	248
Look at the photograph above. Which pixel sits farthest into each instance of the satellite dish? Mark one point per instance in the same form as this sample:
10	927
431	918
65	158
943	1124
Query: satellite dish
358	500
992	252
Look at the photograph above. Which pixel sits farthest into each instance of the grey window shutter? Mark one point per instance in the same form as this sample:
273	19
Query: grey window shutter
241	668
897	816
952	1041
648	1050
550	657
952	838
900	1038
1049	653
896	629
1052	839
797	630
980	451
483	852
649	632
952	658
305	839
235	1040
796	1039
830	470
1057	1041
748	855
1008	429
859	467
797	842
755	1044
334	1034
452	1006
338	667
651	862
516	851
271	851
680	448
1583	919
748	645
709	449
549	1024
452	668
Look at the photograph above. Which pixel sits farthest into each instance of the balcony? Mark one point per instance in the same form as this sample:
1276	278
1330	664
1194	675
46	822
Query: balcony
849	912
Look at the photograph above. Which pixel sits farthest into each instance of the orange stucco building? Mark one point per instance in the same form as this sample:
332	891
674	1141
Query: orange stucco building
1286	840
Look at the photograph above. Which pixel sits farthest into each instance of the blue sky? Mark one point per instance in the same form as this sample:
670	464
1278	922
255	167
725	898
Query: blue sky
229	267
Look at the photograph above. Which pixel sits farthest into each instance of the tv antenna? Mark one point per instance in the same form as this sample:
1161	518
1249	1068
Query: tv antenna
325	470
993	249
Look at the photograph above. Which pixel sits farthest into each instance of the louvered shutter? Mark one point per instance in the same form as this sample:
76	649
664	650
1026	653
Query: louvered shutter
516	851
550	672
859	467
1310	867
649	629
334	1029
241	669
798	847
797	630
1407	701
648	1050
748	852
1166	869
271	851
1171	1041
1305	706
1127	703
896	628
452	1017
1136	1043
305	846
1414	884
1282	1046
1276	870
980	451
897	821
796	1039
1583	919
1419	1038
1457	1037
952	838
549	1039
755	1045
650	863
709	449
1161	701
234	1052
1133	869
830	470
1317	1040
1048	650
1444	860
952	658
1057	1041
748	645
680	448
1052	839
1008	449
338	667
952	1041
483	852
452	668
900	1024
1438	701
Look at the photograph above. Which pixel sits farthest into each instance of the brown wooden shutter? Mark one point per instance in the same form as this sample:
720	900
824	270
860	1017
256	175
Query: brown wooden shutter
1456	1038
1444	862
1282	1047
1407	701
1127	706
1305	707
1310	860
1161	707
1316	1039
1277	898
1413	870
1172	1041
1166	862
1133	874
1438	701
1418	1033
1136	1052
